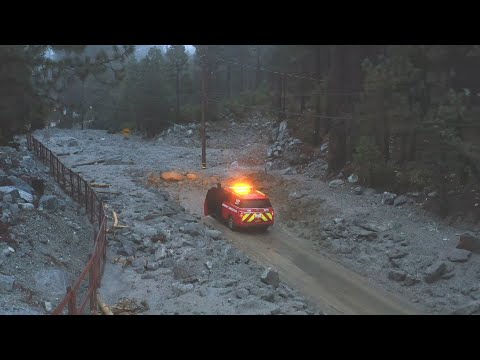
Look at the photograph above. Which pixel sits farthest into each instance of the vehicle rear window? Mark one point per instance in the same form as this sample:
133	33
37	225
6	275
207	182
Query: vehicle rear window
255	203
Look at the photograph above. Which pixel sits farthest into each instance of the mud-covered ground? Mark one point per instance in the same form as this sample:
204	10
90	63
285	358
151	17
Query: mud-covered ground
166	258
398	250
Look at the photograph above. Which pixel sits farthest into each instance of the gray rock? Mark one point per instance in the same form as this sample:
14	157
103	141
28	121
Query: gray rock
448	275
290	171
411	280
469	242
167	263
433	194
336	183
397	275
49	202
363	234
25	196
20	184
28	207
242	293
268	296
182	271
271	277
358	190
352	179
6	282
13	191
459	255
209	265
388	198
152	266
140	262
252	306
369	191
191	229
396	254
214	234
181	289
51	282
161	253
8	198
399	201
435	271
48	306
372	226
126	250
468	309
14	209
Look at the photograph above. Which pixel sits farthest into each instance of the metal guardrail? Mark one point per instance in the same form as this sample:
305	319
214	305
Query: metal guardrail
79	189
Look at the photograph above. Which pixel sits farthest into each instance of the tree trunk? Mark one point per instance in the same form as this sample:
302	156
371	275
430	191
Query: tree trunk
241	79
83	103
177	86
229	79
257	74
337	143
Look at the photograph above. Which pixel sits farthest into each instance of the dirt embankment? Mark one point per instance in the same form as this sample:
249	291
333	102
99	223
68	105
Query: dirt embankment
45	238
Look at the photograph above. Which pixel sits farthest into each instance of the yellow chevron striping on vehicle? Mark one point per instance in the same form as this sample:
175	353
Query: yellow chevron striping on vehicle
269	216
264	218
245	216
251	218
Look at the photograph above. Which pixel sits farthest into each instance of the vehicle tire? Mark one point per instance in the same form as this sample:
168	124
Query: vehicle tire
231	224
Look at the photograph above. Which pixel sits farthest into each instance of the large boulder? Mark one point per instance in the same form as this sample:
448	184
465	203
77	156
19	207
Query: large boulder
435	271
388	198
459	255
397	275
271	277
336	183
6	282
469	242
49	202
401	200
20	184
468	309
172	176
11	190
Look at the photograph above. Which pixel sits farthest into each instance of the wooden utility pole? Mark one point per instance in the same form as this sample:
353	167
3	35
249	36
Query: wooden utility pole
82	108
204	111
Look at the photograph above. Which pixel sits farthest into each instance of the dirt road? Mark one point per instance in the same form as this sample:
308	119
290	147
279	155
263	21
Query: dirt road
323	281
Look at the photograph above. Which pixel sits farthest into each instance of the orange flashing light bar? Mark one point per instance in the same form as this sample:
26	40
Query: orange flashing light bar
242	188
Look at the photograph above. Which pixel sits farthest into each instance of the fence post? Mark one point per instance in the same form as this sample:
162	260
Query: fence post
64	179
72	302
92	207
92	285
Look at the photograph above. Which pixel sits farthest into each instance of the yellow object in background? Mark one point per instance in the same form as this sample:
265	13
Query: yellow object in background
126	132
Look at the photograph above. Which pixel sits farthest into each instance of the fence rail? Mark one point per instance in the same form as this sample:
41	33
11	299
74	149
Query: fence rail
80	190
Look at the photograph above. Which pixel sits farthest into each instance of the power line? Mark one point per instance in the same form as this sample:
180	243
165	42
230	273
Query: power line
286	112
270	71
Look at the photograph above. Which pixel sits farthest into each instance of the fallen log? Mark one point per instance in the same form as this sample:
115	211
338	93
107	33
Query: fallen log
115	222
109	192
100	185
104	307
95	162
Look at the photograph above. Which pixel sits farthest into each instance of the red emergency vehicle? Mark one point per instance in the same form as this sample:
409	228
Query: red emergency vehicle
243	207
